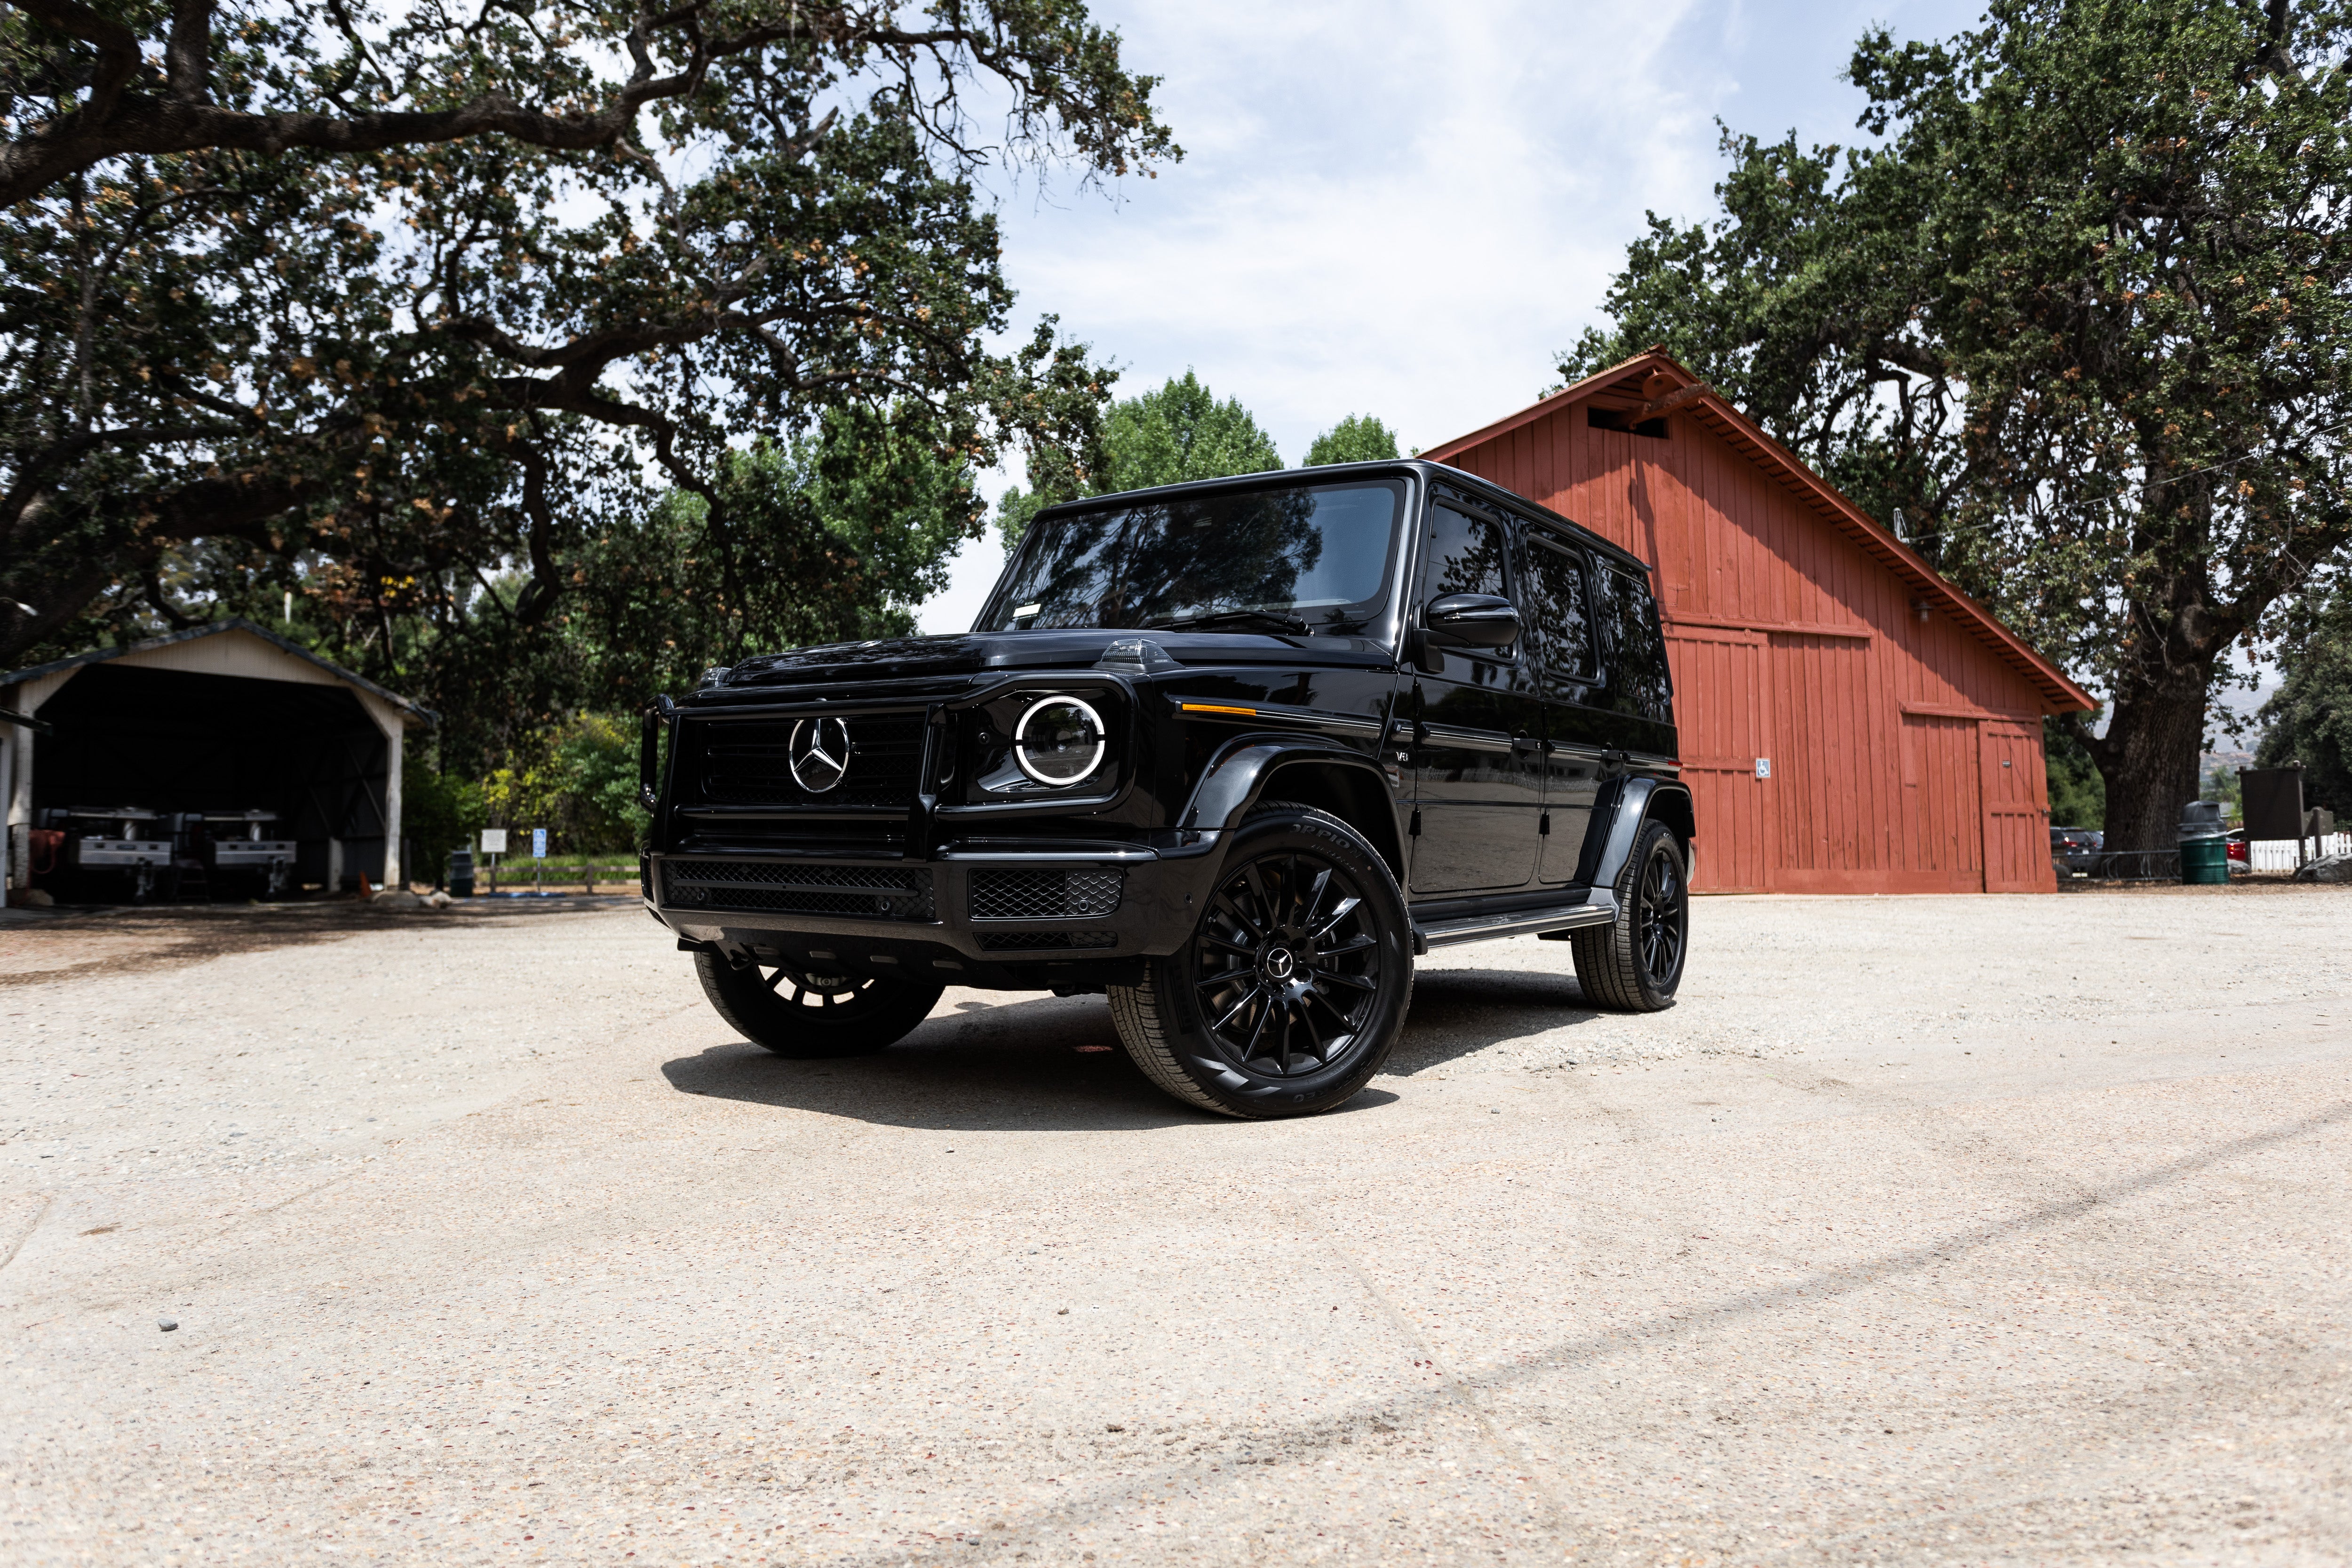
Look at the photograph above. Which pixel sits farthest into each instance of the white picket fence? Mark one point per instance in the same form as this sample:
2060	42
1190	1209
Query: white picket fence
2278	854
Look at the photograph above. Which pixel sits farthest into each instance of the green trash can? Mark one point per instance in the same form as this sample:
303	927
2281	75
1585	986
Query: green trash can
2204	843
2204	860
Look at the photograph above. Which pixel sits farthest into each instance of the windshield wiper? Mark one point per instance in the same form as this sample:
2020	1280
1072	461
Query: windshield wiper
1274	618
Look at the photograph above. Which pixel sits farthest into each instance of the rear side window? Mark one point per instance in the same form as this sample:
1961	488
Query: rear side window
1560	596
1638	681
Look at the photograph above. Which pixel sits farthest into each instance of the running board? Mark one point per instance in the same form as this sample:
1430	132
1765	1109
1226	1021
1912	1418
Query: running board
1565	918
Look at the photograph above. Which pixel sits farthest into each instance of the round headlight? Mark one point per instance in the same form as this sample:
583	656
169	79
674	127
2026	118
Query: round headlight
1059	741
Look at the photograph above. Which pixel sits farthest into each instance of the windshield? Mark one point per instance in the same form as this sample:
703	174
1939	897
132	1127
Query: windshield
1309	557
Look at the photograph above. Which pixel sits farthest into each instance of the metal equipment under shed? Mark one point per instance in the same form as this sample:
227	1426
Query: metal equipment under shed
256	761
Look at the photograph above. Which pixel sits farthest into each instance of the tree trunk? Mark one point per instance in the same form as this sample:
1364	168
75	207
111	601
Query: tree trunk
2148	758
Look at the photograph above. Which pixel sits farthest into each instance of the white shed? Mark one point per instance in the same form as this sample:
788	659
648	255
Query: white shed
224	717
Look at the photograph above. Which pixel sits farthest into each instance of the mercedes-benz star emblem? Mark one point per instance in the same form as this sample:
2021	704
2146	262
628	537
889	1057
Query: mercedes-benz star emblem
1278	964
819	754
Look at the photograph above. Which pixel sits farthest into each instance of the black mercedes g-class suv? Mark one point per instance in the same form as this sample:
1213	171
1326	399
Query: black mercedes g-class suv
1234	753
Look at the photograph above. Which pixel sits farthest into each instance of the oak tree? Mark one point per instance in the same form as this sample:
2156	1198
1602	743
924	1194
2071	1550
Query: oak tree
407	310
2080	315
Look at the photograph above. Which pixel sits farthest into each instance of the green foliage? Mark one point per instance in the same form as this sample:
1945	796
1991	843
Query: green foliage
829	537
1017	507
1180	433
2309	719
595	804
2084	317
582	788
2222	783
417	315
2078	796
438	813
1358	439
1175	433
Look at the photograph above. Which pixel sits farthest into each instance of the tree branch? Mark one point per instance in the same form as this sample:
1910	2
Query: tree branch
188	61
113	122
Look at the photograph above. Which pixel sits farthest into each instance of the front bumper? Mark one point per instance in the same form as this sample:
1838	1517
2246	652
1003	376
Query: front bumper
989	912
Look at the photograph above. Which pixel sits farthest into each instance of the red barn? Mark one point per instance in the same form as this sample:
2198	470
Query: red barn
1850	722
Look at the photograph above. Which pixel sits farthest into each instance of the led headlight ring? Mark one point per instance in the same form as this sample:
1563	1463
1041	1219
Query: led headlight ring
1064	760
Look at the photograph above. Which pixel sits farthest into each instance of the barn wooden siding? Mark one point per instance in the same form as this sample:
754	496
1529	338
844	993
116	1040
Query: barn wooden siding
1901	726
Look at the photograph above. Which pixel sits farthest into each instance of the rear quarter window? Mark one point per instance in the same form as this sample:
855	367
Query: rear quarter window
1559	599
1638	680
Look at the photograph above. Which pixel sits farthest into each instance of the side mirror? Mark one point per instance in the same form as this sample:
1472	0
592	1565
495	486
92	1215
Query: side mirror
1472	620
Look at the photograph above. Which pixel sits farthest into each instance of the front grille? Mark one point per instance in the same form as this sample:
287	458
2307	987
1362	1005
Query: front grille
857	892
1044	895
750	764
1044	940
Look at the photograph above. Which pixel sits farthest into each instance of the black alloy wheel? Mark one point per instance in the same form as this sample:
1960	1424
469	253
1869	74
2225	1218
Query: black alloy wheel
1662	919
809	1015
1284	965
1635	963
1294	987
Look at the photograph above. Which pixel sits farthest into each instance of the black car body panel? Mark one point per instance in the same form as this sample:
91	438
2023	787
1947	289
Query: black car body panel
859	806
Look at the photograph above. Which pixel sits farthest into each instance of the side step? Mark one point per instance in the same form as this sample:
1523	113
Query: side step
1562	919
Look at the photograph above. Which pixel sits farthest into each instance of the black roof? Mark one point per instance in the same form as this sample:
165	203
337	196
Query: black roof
1415	468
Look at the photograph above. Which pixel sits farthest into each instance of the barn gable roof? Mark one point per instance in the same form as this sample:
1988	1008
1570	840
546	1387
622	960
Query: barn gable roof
215	628
1661	385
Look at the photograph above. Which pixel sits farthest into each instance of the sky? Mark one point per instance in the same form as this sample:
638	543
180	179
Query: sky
1406	209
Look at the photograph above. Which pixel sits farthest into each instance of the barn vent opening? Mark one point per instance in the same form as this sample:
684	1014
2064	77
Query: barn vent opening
1622	419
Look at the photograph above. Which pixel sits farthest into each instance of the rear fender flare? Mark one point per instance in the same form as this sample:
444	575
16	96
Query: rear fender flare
1618	817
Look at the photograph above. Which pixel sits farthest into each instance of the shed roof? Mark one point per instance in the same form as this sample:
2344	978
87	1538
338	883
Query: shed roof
215	628
1664	384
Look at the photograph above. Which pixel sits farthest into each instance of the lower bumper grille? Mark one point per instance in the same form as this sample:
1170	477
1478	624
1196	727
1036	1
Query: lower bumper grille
1044	895
855	891
1044	940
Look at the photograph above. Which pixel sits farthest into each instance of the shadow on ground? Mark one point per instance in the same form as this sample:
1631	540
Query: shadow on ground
1031	1063
1458	1013
80	941
1053	1064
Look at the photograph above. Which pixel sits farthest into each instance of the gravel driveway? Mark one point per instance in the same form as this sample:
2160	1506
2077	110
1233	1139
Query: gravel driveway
1923	1230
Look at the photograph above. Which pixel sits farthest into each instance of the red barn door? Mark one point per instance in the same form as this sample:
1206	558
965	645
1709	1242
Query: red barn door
1819	698
1723	717
1943	814
2016	810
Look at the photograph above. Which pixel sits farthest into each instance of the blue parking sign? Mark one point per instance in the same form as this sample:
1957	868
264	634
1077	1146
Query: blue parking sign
539	843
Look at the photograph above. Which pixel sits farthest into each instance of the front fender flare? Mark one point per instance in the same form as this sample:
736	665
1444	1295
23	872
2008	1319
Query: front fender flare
1236	777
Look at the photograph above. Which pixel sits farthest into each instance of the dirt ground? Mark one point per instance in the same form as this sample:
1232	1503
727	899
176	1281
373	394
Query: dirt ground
1923	1230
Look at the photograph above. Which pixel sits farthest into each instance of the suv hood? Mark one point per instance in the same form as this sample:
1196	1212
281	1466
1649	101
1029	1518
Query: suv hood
900	658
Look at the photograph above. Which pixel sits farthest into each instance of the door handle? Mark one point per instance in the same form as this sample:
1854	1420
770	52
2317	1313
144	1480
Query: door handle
1522	743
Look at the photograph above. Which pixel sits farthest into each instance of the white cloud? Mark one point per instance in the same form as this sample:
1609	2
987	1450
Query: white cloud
1405	209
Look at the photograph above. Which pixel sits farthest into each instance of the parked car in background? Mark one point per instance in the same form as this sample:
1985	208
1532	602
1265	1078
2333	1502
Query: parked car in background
2075	851
2242	858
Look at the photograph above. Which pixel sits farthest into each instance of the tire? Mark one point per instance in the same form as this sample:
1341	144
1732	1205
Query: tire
1635	963
1294	987
822	1015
